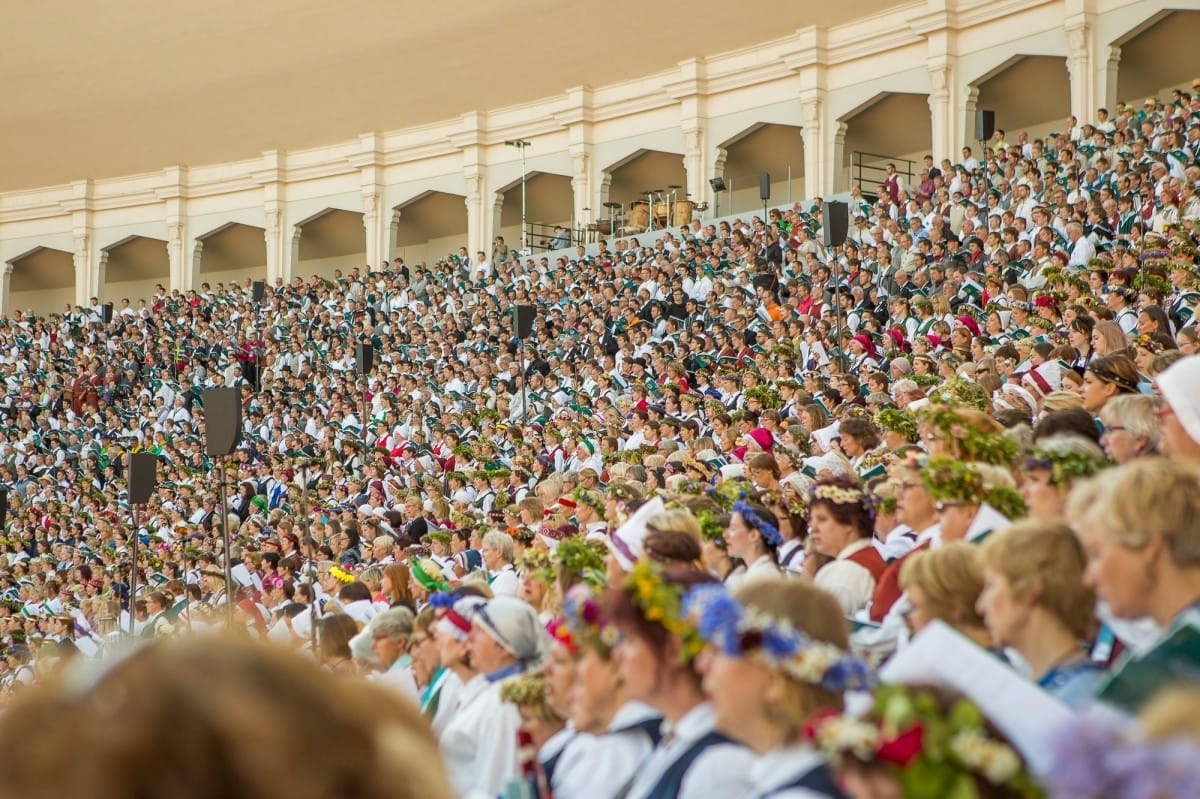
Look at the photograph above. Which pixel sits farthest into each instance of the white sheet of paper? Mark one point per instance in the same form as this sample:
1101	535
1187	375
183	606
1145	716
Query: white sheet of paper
1029	716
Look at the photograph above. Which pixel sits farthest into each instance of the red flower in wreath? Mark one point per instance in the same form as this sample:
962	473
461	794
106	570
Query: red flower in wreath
904	748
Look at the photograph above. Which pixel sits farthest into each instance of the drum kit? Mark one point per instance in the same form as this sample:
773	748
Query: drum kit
661	209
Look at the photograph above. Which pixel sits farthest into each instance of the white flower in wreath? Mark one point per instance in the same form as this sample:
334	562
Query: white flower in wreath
997	762
812	663
843	734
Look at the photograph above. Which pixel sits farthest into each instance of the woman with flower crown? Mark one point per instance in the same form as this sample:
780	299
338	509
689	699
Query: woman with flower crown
776	658
923	742
841	523
753	536
613	734
656	658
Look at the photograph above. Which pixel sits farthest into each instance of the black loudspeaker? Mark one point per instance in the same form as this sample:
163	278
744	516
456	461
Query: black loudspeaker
764	185
3	507
835	223
222	420
106	311
258	290
143	474
985	125
525	316
364	358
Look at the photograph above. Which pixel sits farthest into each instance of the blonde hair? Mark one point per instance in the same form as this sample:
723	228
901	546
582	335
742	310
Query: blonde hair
1042	562
814	612
951	579
1134	503
1061	401
204	716
675	520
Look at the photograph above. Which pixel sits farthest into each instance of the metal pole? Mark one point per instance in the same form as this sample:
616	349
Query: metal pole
524	380
305	521
524	225
225	539
134	566
789	184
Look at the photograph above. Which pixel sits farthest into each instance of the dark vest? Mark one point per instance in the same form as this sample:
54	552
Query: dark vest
671	781
818	780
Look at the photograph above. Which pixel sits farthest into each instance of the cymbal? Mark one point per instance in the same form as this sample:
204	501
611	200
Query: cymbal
675	186
653	191
612	205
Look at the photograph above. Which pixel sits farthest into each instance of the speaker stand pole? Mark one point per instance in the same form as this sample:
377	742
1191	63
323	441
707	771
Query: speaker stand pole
226	542
133	548
305	519
837	311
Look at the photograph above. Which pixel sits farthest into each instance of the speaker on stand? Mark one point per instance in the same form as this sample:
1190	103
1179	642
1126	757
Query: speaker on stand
222	432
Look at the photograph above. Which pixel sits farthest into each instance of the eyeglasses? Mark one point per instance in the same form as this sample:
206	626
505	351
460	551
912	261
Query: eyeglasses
941	507
1114	428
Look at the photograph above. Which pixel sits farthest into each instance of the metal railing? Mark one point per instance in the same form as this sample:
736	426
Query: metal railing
872	168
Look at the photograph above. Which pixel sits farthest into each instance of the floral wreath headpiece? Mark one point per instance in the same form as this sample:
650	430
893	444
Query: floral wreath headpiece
843	496
932	753
661	603
769	532
738	631
1064	466
584	617
341	575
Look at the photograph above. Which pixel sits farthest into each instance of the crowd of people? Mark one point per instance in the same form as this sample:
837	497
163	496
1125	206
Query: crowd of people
682	538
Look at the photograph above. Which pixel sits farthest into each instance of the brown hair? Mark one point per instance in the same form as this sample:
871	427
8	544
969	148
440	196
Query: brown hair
199	717
400	576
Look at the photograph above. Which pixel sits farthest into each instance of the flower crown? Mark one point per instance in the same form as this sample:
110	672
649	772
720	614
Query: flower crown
584	617
661	602
950	480
769	532
1064	466
593	500
739	631
341	574
994	448
577	557
933	753
898	421
838	495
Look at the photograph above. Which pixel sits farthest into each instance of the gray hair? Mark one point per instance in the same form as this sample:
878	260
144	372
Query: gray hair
501	541
394	623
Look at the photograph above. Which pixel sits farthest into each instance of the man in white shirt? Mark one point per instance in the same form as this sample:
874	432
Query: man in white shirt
1082	249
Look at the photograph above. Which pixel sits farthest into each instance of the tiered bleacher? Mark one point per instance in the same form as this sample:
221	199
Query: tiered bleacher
742	515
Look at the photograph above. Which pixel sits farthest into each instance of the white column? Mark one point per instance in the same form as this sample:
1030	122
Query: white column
179	267
88	276
1106	90
695	165
814	146
376	237
1079	65
475	212
98	277
273	236
292	262
497	217
581	188
5	282
393	232
967	135
942	127
194	267
836	163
